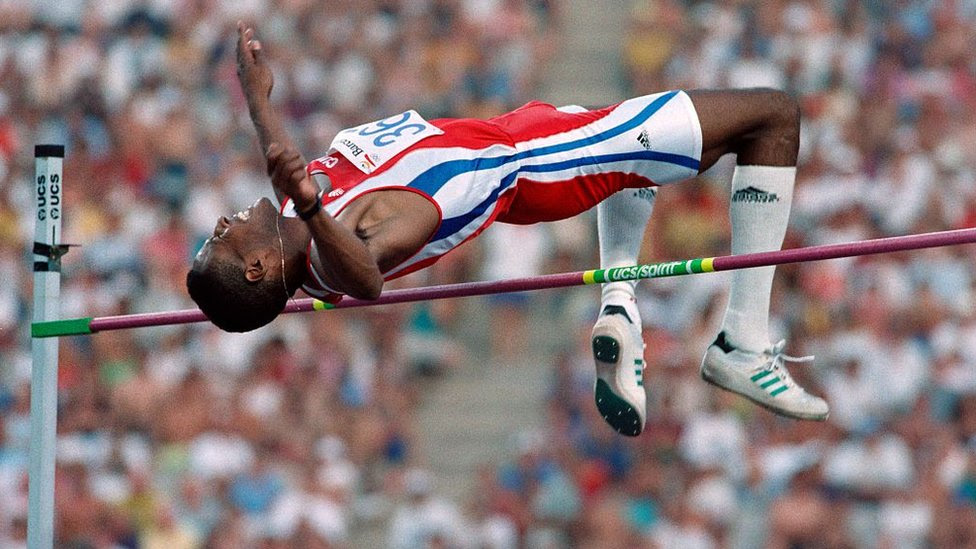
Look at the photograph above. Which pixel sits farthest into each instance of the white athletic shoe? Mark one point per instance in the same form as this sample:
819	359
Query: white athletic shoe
618	351
762	378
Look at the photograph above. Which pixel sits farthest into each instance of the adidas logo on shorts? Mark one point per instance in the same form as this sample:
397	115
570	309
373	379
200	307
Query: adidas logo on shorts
644	140
645	193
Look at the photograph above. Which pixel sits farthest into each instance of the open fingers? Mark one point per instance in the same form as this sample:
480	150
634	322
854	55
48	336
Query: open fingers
282	154
291	163
257	53
283	163
295	170
244	55
254	45
247	46
287	176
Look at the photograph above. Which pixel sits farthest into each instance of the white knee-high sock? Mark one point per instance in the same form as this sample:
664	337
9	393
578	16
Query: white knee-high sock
621	220
759	212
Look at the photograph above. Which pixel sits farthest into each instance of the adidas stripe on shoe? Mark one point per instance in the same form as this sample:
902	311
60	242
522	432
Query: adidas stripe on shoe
762	378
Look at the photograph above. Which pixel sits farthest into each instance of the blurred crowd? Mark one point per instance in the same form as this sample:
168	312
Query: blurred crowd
299	433
188	437
888	94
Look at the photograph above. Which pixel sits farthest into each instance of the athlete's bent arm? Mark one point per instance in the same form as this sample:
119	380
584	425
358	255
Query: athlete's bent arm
347	264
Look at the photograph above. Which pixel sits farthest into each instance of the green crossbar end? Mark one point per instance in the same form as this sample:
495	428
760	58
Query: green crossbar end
55	328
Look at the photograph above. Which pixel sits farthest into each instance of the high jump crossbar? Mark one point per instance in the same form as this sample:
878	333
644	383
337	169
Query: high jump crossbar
89	325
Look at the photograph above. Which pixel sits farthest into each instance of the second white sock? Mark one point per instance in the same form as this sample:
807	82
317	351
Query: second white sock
759	212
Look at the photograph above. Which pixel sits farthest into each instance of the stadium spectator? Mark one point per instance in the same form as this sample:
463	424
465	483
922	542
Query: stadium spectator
299	434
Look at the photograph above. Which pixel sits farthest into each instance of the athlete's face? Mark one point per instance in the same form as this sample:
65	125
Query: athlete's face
238	238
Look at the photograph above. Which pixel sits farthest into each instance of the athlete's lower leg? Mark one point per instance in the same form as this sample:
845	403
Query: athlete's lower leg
621	222
761	127
618	344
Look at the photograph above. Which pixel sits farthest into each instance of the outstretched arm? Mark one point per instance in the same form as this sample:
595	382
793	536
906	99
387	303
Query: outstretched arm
256	82
347	264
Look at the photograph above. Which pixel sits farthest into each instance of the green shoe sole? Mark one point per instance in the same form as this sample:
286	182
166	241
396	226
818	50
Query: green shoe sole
615	410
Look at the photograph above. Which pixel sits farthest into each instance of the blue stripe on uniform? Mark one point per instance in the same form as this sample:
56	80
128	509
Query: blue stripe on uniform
637	120
653	156
431	180
451	225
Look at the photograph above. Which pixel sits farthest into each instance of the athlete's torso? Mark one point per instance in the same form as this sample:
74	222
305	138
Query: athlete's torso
444	170
536	163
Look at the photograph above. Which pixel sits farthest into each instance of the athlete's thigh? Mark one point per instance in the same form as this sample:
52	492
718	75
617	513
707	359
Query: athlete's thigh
728	116
573	158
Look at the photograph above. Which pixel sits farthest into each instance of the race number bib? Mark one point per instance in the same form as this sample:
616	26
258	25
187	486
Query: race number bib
370	145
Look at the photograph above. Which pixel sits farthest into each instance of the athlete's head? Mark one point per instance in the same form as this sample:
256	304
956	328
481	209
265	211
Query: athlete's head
236	277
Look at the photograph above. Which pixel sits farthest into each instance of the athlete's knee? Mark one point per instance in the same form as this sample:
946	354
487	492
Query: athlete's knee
760	125
781	112
787	109
778	118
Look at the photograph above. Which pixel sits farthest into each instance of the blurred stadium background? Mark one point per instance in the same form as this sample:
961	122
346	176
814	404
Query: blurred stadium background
469	423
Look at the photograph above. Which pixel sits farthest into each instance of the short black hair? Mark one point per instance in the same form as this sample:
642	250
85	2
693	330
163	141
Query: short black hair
230	301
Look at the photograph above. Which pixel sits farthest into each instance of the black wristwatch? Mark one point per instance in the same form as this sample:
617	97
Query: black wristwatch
309	213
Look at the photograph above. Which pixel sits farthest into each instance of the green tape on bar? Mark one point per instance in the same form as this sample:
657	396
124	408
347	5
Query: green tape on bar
55	328
318	305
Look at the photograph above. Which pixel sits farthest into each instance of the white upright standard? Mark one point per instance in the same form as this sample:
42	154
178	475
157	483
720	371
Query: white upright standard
48	250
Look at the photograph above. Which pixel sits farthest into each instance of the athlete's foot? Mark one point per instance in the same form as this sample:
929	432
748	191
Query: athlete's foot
618	351
762	378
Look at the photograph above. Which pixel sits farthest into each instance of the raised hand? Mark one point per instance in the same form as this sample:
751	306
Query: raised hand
252	67
287	170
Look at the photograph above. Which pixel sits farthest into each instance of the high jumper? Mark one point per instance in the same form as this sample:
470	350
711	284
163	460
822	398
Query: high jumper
393	196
